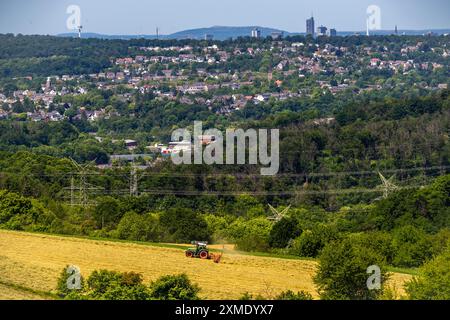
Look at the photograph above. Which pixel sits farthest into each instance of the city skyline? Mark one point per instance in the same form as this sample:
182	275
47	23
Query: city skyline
113	17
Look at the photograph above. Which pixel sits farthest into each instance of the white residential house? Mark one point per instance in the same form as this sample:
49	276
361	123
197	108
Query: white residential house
262	97
176	147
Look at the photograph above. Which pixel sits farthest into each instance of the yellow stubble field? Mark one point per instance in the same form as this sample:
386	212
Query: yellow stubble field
8	293
36	260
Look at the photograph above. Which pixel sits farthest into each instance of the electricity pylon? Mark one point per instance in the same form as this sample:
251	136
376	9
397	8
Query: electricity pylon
82	190
134	181
277	216
387	185
72	191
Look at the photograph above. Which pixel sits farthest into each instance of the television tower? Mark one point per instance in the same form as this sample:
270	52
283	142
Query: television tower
79	31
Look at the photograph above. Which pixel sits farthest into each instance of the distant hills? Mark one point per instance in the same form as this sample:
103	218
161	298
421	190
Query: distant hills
218	33
223	33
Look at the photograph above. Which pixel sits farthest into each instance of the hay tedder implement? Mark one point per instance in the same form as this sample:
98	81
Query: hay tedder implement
201	252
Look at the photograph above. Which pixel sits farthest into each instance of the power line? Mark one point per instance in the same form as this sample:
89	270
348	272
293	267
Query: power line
243	175
305	175
258	193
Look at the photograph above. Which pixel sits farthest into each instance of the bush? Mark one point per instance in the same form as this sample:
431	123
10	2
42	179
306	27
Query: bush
218	225
176	287
428	207
62	287
131	227
12	204
101	281
20	213
342	273
106	285
246	205
18	222
247	296
137	227
356	219
285	295
380	242
283	232
441	241
433	282
107	212
290	295
250	235
252	243
311	242
184	225
111	285
412	247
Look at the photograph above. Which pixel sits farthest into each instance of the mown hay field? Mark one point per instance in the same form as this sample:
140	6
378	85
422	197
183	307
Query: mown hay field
9	293
36	260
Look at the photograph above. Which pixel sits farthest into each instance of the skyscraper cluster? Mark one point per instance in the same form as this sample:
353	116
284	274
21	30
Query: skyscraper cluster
321	31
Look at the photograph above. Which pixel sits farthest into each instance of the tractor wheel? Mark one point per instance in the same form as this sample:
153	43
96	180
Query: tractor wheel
189	254
203	255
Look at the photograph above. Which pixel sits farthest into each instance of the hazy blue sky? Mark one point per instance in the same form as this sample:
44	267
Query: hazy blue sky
142	17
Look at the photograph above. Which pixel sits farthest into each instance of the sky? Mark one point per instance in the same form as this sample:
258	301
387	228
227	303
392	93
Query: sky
131	17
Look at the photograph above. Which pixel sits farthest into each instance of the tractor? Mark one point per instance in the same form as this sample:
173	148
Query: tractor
201	251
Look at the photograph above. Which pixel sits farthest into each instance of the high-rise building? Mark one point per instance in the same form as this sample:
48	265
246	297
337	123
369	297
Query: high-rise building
209	37
322	31
332	32
310	26
256	33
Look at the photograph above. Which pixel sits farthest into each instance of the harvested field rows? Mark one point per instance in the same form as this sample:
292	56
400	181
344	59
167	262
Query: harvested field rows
36	260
